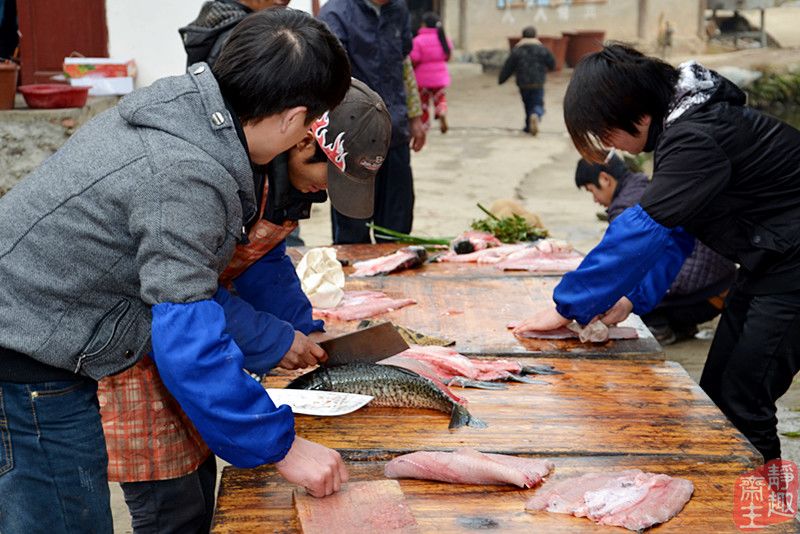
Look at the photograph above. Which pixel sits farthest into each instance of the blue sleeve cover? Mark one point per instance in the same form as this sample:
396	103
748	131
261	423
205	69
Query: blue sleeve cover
202	367
619	265
658	280
271	285
263	338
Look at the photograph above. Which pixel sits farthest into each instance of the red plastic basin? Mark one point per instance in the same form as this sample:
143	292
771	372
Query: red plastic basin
52	96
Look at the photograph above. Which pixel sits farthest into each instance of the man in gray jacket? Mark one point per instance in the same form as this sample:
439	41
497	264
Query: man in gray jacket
113	249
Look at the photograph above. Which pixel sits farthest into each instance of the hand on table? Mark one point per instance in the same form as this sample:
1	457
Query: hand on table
303	353
318	469
542	321
618	312
417	130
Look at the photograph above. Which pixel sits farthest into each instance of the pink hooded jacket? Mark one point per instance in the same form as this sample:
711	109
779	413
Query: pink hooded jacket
430	62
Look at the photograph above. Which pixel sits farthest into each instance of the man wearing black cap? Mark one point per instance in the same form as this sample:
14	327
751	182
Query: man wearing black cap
154	451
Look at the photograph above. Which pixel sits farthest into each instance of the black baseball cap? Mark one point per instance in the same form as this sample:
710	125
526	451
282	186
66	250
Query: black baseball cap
355	136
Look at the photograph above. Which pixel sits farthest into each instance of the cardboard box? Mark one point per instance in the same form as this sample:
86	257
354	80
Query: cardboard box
105	76
100	67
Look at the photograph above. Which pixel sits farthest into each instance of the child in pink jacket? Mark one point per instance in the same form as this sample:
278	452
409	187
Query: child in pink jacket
429	56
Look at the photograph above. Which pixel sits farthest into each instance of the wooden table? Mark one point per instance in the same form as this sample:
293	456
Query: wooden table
353	253
258	500
598	407
475	313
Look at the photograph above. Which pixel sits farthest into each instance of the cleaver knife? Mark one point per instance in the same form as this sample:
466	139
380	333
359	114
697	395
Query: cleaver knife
364	346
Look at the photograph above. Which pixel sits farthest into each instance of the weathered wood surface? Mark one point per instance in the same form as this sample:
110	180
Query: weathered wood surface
598	407
476	312
353	253
258	500
361	507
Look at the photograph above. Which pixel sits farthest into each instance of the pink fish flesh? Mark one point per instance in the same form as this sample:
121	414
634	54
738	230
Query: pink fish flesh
472	241
595	332
631	499
405	258
468	466
362	304
488	255
546	255
448	364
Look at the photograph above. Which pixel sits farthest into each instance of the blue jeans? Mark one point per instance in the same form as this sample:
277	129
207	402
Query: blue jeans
533	100
53	461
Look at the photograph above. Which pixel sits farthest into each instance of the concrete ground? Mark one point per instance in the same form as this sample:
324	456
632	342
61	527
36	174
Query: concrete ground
484	157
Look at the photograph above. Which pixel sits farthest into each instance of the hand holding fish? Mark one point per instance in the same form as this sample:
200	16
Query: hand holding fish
318	469
542	321
303	353
618	312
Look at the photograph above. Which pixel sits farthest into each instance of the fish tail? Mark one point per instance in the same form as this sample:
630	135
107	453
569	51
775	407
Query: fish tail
477	384
539	370
461	417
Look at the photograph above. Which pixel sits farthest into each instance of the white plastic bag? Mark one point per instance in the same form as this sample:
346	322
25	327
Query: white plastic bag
321	277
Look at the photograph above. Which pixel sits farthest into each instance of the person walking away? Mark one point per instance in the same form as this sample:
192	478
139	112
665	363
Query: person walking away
430	53
529	61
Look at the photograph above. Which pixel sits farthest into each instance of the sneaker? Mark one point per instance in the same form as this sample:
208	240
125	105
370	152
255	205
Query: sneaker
685	333
443	124
533	124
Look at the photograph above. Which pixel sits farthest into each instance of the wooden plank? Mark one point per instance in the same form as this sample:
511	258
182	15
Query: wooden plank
353	253
258	500
596	407
475	313
361	507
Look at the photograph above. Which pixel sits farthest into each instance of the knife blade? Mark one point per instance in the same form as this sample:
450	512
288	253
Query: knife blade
366	346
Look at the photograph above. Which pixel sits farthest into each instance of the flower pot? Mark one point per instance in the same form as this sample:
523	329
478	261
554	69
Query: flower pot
557	46
8	84
54	96
583	43
512	42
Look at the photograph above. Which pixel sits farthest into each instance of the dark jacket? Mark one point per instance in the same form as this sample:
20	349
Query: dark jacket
530	60
204	37
730	175
702	272
725	172
376	45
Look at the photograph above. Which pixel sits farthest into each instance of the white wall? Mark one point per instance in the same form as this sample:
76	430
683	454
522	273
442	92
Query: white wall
147	31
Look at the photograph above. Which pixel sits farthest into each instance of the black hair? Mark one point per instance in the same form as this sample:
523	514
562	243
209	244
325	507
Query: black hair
614	89
529	32
318	156
277	59
432	20
589	173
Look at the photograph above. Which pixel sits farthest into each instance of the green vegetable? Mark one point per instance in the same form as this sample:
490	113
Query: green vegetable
792	434
508	229
386	233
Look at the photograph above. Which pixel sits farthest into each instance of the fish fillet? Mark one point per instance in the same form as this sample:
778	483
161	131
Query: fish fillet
362	304
468	466
405	258
631	499
595	332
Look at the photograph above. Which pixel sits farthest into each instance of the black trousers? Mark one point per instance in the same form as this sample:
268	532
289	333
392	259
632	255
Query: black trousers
176	505
394	201
752	361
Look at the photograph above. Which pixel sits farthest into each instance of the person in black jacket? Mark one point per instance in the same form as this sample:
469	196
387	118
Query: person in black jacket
204	36
698	291
723	173
530	61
